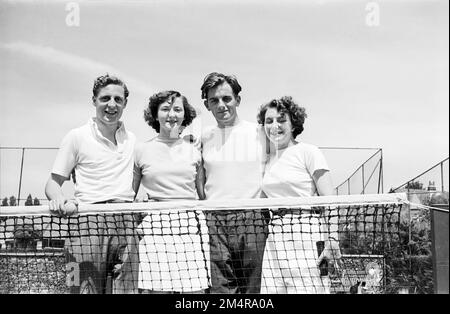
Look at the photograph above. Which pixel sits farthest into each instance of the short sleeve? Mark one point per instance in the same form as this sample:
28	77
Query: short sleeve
315	160
66	158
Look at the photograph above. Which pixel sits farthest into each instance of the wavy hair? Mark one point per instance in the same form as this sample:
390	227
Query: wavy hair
215	79
286	105
105	80
151	112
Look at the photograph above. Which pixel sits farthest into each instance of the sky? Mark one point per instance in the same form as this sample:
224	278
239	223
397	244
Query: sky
366	79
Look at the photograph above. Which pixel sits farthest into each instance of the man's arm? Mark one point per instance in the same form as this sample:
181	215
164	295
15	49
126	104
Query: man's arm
59	205
137	176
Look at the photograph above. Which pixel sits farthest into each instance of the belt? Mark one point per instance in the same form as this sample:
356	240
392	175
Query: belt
112	201
297	211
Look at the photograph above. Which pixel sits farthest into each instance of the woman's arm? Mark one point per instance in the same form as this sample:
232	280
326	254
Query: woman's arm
200	181
322	179
331	251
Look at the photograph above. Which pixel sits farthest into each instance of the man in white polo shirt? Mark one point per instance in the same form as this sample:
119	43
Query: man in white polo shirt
233	155
100	154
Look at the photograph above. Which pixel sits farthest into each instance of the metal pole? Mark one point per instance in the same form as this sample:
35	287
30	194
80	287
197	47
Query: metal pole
413	179
0	172
20	179
362	171
381	171
442	176
348	185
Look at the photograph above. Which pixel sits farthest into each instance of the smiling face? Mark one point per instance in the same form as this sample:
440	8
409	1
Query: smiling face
223	103
278	128
109	103
170	117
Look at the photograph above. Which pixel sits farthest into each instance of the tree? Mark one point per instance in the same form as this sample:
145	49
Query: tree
29	201
414	185
25	236
12	201
4	203
36	202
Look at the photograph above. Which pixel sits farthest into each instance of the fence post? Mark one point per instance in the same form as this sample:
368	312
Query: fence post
440	242
363	181
20	178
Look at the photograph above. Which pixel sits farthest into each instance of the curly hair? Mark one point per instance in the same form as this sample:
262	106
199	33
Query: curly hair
287	105
105	80
151	112
215	79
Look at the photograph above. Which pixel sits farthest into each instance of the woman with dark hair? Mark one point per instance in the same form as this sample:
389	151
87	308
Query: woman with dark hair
293	169
173	252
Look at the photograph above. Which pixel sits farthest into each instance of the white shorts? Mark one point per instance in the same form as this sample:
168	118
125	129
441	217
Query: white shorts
174	252
290	256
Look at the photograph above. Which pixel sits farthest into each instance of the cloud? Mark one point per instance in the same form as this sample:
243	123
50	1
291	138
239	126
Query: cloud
75	63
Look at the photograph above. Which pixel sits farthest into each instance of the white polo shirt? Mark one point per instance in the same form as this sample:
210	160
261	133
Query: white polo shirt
103	171
234	161
169	168
289	174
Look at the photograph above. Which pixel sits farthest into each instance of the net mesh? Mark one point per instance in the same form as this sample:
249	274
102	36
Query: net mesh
339	244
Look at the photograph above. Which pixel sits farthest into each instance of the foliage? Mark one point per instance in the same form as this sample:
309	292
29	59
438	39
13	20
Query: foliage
414	185
29	201
406	246
410	265
25	236
12	201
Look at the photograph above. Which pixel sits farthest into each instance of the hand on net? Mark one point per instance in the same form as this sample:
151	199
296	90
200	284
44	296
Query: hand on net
332	255
117	271
140	231
62	207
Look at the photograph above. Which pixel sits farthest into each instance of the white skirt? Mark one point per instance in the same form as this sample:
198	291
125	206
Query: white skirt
174	252
290	256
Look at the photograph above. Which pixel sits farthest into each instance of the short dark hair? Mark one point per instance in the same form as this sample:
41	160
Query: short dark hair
215	79
286	105
105	80
151	112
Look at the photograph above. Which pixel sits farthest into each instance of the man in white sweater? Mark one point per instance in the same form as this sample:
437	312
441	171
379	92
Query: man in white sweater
233	157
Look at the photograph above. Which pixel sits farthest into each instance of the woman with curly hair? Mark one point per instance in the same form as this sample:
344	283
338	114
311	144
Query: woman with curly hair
293	169
173	252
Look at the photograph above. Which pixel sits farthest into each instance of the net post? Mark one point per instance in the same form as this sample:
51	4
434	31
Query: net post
439	245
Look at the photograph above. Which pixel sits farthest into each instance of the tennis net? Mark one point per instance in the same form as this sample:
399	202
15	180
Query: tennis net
330	244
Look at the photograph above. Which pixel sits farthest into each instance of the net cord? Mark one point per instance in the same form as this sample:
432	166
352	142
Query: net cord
218	205
429	207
